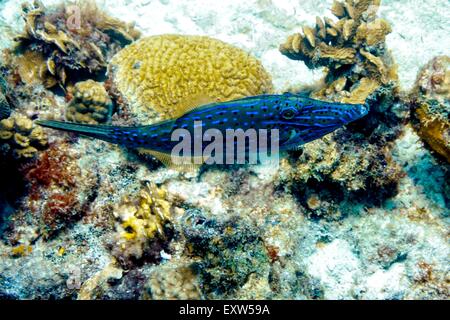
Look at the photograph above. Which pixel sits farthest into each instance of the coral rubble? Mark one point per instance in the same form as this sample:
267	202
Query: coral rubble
352	49
173	283
63	42
90	103
199	67
431	105
229	251
20	138
143	227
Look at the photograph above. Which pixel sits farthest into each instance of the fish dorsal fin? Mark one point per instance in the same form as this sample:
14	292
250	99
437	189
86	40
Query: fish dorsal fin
180	164
191	103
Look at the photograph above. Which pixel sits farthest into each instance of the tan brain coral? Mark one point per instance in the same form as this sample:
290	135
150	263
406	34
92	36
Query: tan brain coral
164	72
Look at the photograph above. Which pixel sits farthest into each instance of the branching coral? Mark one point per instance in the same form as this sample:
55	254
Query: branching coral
352	49
20	138
173	283
431	105
143	226
359	69
90	104
72	38
169	72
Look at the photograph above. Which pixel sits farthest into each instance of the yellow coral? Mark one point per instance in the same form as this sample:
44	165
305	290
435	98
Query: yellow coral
90	104
431	97
21	250
163	72
19	138
352	48
139	221
32	69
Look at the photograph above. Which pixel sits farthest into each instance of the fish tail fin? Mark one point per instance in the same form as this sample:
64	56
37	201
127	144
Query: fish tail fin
106	133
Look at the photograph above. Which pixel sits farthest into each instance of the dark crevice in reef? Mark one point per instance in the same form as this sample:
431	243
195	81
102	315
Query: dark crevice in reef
331	196
10	193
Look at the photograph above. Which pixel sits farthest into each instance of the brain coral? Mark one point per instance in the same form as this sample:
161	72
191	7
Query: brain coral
165	72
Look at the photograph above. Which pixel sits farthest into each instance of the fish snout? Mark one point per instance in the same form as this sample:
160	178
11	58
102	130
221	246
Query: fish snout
363	110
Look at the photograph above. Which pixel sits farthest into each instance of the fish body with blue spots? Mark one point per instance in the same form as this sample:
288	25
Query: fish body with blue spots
298	120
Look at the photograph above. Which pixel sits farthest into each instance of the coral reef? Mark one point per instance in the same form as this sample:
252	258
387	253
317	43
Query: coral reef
358	69
63	42
172	282
352	50
94	287
20	139
59	194
199	68
229	250
359	214
351	168
143	227
431	105
90	103
5	109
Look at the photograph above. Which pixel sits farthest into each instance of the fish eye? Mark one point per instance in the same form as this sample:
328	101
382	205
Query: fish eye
288	113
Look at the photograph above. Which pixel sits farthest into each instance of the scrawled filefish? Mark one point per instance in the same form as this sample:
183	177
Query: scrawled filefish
298	119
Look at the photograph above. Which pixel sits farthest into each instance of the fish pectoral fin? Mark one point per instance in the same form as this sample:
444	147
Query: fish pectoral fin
294	142
184	164
191	103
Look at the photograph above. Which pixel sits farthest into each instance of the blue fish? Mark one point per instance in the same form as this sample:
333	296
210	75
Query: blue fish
298	119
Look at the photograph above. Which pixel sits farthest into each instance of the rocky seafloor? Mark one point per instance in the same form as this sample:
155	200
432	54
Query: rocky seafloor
362	213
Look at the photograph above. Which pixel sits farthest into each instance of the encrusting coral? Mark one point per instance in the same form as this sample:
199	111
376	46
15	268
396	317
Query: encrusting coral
164	73
229	251
58	193
431	105
173	283
143	226
20	138
352	50
66	41
90	103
